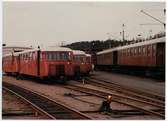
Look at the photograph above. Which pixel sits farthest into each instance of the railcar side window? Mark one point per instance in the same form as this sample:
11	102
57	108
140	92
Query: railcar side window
23	57
57	56
40	56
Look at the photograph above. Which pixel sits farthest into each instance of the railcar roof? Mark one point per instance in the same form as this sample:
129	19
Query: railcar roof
55	49
9	54
157	40
47	49
88	55
60	49
78	52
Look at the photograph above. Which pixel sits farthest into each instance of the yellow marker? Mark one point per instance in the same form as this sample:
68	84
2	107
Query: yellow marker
109	98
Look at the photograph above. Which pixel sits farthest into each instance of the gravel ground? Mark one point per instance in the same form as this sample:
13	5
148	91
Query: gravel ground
12	104
79	101
144	84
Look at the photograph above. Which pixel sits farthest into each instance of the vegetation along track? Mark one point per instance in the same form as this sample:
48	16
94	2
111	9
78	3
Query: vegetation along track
146	97
141	106
44	105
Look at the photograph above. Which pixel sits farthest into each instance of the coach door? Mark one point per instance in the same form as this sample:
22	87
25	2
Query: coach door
18	58
160	54
115	57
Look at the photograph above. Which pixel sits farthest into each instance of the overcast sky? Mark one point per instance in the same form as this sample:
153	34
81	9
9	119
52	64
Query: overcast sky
50	23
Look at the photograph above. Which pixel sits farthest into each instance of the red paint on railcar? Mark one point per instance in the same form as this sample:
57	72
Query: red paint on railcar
55	62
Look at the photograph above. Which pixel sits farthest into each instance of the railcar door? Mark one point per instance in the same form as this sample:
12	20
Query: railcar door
160	54
38	62
115	57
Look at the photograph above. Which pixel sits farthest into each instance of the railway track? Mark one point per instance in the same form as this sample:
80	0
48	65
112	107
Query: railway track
44	105
151	99
130	89
141	106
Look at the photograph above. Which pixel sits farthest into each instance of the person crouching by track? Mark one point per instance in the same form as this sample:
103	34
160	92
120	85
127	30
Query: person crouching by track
105	106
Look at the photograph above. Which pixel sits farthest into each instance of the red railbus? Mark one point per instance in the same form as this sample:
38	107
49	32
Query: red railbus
54	63
88	64
79	62
10	64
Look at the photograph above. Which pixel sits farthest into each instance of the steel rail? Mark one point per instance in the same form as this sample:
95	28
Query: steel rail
148	94
144	99
115	99
45	104
32	105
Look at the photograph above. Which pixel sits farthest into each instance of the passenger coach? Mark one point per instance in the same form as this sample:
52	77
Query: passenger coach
145	56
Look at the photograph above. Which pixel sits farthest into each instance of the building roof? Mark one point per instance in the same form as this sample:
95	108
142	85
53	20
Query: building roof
157	40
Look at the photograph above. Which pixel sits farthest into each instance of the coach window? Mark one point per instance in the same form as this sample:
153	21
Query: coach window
121	54
131	51
135	52
139	50
154	50
144	50
125	52
148	50
128	51
24	56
